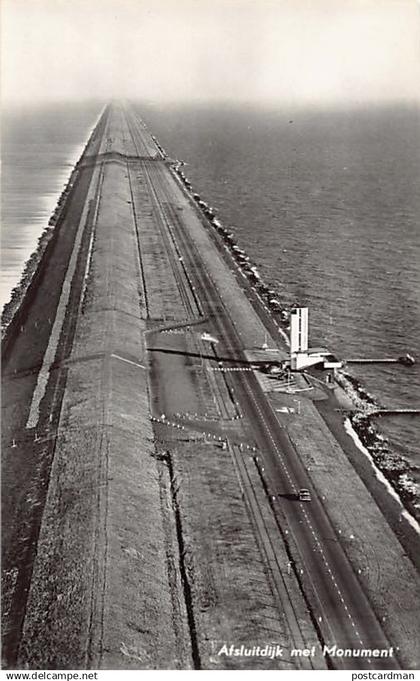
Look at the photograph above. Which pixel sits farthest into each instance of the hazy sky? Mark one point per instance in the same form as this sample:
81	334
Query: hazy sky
299	51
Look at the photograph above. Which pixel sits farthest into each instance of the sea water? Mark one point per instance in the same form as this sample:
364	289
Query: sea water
40	145
327	204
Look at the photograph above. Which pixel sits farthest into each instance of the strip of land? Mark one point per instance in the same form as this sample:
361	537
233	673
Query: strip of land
149	494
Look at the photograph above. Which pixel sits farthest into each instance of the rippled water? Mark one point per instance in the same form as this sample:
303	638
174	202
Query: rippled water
39	147
326	203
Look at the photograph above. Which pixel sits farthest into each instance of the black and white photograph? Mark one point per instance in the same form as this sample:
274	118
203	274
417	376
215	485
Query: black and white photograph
210	292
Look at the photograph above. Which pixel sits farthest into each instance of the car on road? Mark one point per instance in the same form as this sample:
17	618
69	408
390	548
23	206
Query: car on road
304	495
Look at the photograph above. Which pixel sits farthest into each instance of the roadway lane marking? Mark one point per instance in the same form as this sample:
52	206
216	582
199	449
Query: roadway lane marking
276	448
273	441
123	359
280	458
305	514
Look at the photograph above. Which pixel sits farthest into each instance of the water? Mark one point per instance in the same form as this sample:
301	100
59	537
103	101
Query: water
39	147
326	203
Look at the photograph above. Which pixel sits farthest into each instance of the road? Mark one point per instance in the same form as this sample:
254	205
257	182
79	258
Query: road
25	466
345	616
147	191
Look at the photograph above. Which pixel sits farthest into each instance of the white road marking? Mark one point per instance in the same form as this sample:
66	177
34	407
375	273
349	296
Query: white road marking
123	359
337	589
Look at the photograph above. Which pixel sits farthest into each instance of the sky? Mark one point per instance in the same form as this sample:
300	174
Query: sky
316	52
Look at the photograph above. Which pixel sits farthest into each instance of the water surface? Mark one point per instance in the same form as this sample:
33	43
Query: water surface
40	145
328	205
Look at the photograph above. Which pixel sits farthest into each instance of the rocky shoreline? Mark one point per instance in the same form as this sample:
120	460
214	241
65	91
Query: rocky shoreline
394	467
31	266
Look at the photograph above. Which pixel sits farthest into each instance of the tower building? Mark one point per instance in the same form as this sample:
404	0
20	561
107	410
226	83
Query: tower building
302	356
